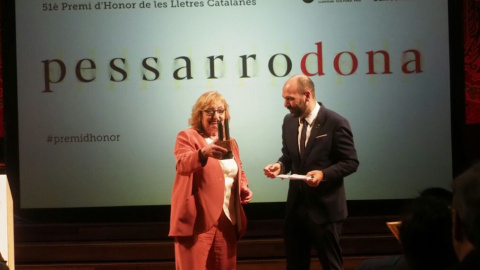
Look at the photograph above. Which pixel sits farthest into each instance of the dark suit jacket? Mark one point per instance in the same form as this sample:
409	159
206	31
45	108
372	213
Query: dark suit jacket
330	148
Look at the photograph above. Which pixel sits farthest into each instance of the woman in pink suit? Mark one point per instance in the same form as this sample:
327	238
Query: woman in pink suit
207	218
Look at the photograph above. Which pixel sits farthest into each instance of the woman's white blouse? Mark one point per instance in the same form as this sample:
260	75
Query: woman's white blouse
230	170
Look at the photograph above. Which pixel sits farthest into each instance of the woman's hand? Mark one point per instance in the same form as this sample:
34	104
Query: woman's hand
245	195
212	150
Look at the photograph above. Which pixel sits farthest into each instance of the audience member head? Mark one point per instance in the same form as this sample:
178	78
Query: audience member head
438	193
3	263
466	211
3	266
426	231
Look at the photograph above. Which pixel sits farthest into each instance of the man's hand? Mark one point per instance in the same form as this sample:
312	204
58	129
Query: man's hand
316	178
272	170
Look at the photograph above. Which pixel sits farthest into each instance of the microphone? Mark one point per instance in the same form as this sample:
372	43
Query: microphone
227	130
220	130
224	143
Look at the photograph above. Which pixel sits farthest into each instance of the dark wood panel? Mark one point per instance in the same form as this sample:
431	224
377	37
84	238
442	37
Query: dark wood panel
63	252
91	232
25	232
147	246
350	263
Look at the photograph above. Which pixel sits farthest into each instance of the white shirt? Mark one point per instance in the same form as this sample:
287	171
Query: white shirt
310	119
230	170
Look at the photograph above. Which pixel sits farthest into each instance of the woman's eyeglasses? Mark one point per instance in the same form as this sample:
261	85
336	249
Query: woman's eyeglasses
211	112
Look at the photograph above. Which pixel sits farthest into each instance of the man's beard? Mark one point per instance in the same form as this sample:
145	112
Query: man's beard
299	110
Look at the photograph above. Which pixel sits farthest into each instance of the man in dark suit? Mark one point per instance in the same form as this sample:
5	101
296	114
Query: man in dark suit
325	152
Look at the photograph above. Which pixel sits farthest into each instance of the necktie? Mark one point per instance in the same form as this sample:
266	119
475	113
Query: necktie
303	136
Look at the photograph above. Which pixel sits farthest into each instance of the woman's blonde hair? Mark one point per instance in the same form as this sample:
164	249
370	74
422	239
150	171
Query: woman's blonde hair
204	102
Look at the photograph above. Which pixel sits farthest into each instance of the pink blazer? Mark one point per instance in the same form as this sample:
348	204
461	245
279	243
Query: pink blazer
197	196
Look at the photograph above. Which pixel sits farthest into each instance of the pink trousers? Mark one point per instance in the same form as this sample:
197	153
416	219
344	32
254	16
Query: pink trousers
215	249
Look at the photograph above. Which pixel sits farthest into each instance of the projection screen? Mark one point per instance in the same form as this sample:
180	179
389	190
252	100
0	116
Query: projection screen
104	87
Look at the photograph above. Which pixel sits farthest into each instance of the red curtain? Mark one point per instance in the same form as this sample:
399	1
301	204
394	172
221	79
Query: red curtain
2	129
471	28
